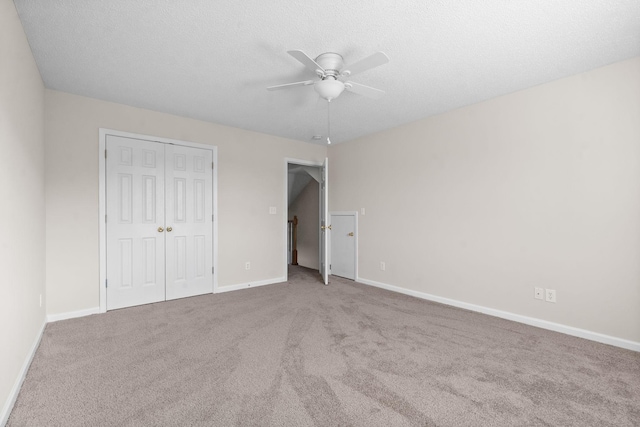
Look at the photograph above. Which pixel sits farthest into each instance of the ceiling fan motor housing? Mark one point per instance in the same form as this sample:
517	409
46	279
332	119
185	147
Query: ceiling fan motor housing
332	64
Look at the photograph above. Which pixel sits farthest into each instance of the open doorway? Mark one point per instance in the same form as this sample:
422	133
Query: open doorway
305	207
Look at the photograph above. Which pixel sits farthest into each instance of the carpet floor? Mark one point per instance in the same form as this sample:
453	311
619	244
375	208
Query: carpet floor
304	354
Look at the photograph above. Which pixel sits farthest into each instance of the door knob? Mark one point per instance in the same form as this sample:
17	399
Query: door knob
351	234
160	229
169	229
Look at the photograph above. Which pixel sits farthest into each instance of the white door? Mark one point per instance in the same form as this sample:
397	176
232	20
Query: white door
324	226
159	225
135	222
343	245
189	220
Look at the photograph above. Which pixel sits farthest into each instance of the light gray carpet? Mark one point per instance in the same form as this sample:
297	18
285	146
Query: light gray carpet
301	353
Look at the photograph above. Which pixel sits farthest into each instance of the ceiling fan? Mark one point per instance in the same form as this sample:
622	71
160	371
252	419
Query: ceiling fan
331	70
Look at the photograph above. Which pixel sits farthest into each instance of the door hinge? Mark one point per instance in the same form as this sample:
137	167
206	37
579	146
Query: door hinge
212	165
106	283
211	270
212	218
105	154
105	218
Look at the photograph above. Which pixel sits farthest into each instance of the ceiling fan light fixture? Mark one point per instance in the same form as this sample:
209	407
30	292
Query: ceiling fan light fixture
329	88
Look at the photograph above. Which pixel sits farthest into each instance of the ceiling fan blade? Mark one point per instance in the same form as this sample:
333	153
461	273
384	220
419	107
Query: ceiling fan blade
365	64
288	85
306	61
363	90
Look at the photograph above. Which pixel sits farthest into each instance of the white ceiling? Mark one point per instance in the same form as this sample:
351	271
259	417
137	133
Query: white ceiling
212	60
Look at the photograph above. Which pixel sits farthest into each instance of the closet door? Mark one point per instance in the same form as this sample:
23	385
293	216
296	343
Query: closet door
135	222
189	221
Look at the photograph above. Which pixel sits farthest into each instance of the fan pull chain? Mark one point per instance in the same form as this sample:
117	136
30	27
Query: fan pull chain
329	121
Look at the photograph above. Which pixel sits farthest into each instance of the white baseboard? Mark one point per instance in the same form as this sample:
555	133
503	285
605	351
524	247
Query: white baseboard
73	314
13	395
239	286
544	324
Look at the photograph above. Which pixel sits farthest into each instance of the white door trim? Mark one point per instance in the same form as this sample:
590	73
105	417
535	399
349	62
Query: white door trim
324	215
102	141
355	220
285	204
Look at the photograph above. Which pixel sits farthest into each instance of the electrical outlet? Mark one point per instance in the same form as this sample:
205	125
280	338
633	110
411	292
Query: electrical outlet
383	266
361	211
247	265
40	300
538	293
272	210
550	295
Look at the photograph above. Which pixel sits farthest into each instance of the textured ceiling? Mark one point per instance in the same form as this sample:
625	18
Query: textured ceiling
212	60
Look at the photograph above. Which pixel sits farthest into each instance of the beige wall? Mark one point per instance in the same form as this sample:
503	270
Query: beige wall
22	195
251	178
536	188
307	208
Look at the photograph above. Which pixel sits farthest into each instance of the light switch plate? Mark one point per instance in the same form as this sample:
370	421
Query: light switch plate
272	210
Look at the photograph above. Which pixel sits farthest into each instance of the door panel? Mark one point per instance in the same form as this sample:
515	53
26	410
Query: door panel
343	246
135	210
189	208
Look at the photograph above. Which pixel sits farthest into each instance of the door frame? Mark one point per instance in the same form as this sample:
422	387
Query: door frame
355	230
102	170
285	204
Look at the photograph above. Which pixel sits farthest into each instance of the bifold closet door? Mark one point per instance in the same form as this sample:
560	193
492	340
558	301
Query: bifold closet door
189	221
135	222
